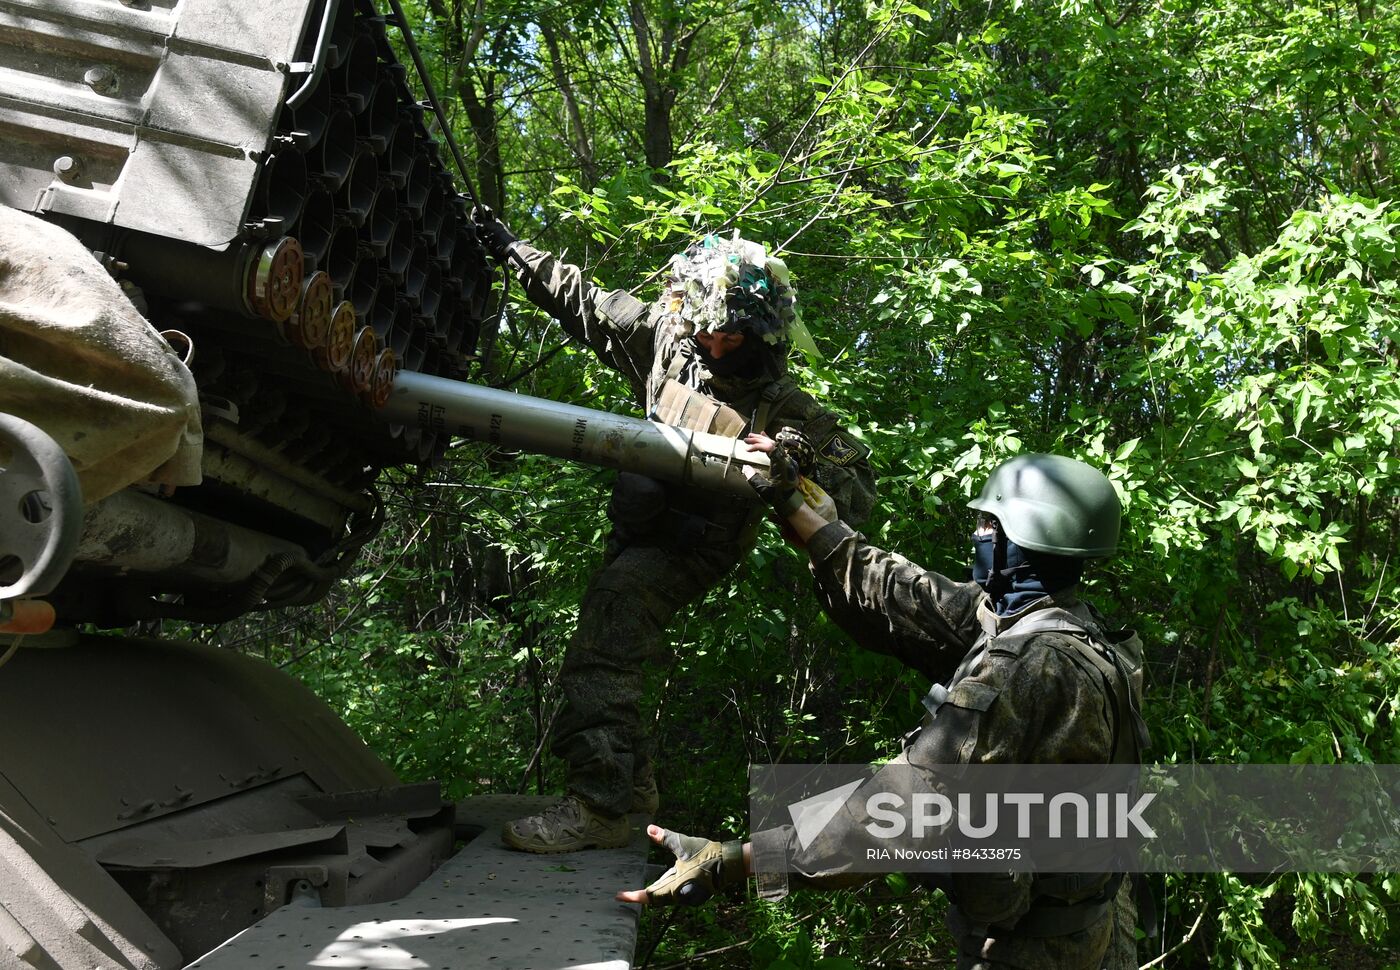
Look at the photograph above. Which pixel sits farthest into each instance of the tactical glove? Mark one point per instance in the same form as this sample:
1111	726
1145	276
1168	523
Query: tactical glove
799	449
779	485
701	868
495	234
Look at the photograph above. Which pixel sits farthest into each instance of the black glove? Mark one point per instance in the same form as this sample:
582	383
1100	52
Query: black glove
778	487
495	234
702	867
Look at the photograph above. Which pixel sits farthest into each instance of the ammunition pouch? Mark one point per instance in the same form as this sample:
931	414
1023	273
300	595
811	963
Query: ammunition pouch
685	407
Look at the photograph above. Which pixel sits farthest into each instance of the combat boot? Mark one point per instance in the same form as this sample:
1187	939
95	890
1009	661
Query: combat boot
645	797
566	826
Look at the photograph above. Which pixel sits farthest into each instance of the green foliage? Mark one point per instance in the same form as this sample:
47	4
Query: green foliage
1156	238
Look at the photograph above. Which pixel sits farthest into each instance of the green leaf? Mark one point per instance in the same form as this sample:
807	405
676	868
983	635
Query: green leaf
1256	440
1268	541
1300	408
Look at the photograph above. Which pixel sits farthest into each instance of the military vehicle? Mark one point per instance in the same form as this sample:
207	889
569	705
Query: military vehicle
262	182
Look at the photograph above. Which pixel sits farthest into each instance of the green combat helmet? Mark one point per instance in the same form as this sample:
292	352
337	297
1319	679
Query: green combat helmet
1053	504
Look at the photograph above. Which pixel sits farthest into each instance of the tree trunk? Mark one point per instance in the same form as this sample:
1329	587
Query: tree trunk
481	114
460	46
577	134
656	135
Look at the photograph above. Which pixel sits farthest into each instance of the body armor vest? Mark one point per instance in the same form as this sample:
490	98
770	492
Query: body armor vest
1069	901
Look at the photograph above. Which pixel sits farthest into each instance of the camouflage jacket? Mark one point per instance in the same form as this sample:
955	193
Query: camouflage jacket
1036	698
623	332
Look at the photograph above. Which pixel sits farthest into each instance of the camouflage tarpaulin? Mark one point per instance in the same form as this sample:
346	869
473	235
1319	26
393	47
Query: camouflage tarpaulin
79	361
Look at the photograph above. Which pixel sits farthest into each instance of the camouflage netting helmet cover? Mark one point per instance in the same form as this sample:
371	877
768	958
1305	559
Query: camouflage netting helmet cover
732	285
1053	504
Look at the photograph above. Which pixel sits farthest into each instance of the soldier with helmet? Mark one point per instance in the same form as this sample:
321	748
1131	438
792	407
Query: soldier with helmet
710	354
1025	672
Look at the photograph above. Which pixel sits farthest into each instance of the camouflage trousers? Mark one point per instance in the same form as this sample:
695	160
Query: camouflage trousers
621	631
1109	944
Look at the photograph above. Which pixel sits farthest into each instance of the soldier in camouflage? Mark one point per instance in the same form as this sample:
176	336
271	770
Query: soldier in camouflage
711	355
1025	672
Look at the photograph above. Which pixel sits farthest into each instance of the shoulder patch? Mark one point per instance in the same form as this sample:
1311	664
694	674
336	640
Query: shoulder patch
841	449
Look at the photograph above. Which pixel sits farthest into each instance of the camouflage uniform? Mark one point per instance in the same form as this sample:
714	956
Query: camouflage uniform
1013	698
649	574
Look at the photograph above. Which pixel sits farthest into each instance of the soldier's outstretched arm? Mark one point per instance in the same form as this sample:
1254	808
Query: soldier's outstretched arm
613	323
886	603
701	869
891	605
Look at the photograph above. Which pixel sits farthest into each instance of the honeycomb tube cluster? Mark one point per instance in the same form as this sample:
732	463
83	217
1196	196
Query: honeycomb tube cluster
358	247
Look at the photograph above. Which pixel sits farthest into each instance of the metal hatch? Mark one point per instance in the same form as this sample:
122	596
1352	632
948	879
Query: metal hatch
141	115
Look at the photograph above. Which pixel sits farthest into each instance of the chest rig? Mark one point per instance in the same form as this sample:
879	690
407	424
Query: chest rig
1060	903
675	398
1117	658
646	511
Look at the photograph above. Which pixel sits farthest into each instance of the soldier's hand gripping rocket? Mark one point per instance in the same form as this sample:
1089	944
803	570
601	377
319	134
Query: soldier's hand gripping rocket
779	487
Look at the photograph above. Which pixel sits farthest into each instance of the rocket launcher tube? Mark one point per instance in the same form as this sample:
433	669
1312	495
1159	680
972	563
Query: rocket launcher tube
437	404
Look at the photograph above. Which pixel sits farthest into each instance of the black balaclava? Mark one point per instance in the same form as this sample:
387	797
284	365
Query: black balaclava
746	360
1015	577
